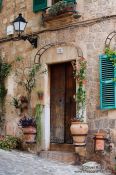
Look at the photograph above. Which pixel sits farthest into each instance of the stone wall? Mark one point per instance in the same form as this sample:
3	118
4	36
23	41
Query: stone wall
89	38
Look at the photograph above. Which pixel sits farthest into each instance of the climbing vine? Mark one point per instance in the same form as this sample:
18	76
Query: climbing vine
79	71
5	69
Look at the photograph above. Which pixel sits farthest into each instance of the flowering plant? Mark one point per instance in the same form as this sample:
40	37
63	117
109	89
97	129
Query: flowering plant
79	72
26	122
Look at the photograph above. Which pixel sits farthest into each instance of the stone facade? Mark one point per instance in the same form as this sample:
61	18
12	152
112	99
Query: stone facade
89	37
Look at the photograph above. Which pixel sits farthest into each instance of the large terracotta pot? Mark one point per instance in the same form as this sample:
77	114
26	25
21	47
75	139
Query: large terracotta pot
29	134
79	132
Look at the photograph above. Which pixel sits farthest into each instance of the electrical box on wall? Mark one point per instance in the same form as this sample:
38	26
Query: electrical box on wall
10	30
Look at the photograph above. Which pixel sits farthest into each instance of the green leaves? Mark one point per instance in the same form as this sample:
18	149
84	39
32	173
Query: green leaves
5	69
38	113
3	91
79	71
19	58
111	54
9	142
60	7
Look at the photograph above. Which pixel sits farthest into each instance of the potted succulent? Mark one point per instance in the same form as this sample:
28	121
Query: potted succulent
79	127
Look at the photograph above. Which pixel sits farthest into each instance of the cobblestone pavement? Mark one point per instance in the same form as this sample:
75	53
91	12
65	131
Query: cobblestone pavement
19	163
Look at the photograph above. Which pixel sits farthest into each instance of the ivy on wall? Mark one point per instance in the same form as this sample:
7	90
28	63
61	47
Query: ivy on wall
5	69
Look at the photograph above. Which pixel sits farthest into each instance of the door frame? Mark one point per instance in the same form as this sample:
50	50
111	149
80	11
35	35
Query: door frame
67	110
46	112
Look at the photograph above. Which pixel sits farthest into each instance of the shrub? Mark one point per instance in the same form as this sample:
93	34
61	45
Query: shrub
9	142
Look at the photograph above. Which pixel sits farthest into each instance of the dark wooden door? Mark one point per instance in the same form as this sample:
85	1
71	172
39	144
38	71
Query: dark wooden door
70	105
62	89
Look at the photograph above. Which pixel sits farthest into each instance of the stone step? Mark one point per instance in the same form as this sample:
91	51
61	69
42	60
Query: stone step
62	147
64	157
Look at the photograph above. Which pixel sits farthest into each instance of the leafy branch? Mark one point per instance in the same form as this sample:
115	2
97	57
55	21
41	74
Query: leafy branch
26	76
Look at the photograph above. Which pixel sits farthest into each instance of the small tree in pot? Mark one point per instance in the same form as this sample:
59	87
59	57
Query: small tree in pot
26	77
79	128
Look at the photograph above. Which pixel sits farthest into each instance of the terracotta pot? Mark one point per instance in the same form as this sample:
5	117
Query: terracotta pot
40	96
99	142
79	132
114	171
1	137
29	134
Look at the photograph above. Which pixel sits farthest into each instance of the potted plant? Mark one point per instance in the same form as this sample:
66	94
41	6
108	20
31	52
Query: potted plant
61	7
40	95
28	126
20	103
57	8
26	77
79	127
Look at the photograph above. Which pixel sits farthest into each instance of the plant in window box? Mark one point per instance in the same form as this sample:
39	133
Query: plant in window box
79	128
60	8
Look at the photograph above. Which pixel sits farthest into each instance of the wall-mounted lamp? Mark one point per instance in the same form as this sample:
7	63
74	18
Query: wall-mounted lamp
19	26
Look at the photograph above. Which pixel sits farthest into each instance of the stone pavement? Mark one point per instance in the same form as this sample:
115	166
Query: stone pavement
19	163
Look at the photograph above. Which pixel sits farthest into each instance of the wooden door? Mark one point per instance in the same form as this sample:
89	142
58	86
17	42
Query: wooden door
70	105
62	105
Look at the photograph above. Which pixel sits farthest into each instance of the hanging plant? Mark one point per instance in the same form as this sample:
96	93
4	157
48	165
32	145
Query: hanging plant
111	54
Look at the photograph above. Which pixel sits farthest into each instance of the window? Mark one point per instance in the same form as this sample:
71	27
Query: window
39	5
0	4
107	83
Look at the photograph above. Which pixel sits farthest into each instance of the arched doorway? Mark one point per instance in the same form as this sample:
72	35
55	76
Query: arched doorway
59	88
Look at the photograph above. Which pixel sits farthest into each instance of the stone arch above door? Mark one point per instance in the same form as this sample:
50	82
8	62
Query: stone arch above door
70	52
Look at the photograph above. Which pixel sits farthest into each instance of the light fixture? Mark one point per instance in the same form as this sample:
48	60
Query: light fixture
19	26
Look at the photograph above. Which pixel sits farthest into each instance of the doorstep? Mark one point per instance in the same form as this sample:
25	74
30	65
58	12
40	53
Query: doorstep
60	156
62	147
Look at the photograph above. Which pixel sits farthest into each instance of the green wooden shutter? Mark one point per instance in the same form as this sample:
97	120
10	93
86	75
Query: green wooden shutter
0	4
107	84
71	1
39	5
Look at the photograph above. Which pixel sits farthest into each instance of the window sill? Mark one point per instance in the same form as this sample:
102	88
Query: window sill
47	17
